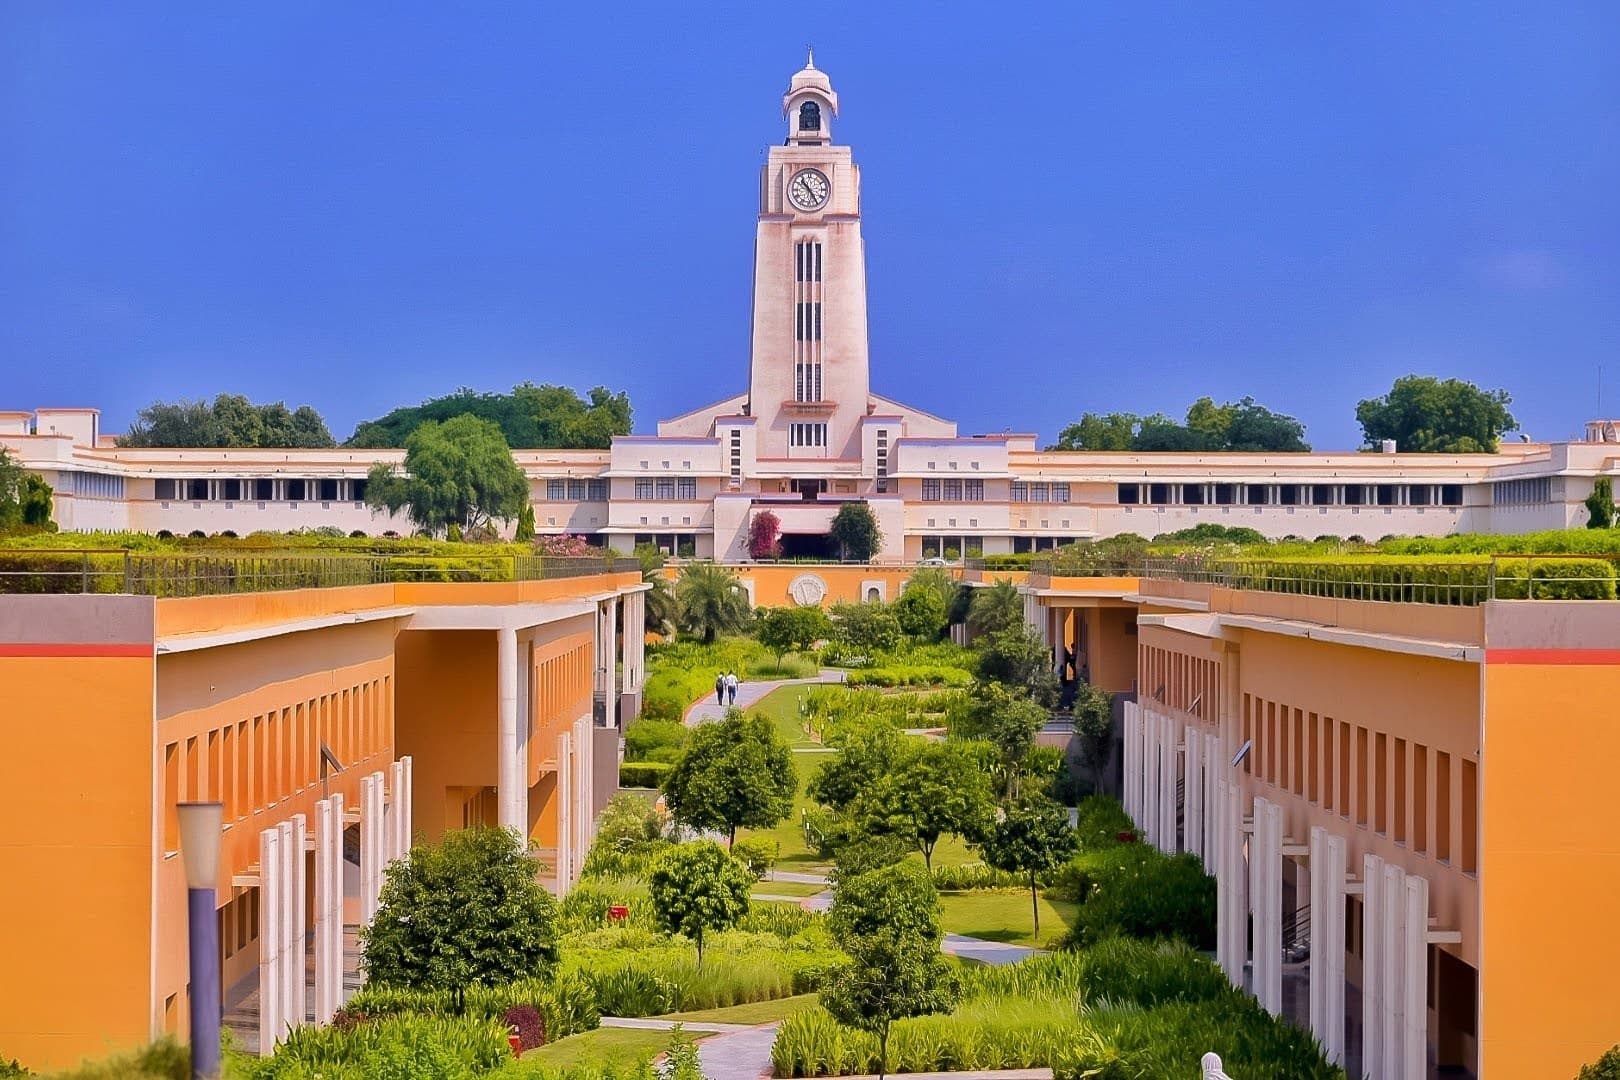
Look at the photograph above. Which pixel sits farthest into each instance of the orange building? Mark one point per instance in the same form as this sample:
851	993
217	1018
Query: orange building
370	713
1406	807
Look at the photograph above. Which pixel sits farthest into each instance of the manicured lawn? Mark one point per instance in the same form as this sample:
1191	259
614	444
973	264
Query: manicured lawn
787	888
795	853
755	1012
781	707
616	1046
1004	915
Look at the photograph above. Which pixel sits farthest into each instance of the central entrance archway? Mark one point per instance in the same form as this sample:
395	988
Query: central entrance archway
808	546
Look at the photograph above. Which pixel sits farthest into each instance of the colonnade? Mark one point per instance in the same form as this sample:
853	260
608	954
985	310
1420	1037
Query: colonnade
384	820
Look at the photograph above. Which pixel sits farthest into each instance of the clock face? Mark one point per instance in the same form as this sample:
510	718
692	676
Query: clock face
809	189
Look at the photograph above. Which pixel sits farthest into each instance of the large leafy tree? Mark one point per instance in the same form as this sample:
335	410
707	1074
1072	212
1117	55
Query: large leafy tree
764	535
25	498
868	753
1032	838
468	911
231	420
530	417
659	599
459	473
698	887
934	790
1235	425
921	612
868	625
888	921
1093	723
792	629
995	609
1005	717
735	772
1019	658
1425	415
710	602
855	529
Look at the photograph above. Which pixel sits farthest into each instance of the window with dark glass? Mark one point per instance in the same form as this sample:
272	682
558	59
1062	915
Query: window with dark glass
1451	495
930	490
1322	495
329	490
666	488
1389	495
1420	495
163	489
810	116
596	491
556	489
296	490
1225	494
1288	494
973	490
1192	494
1258	495
686	488
644	488
952	491
1159	494
1130	494
1354	495
357	490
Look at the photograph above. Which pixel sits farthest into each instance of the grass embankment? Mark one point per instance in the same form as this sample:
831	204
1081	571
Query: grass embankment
1004	915
626	1046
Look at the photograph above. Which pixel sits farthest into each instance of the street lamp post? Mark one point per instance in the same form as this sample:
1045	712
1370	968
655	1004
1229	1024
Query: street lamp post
199	846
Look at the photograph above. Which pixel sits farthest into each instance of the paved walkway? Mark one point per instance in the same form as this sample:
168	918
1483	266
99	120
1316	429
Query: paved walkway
745	1055
994	953
749	693
659	1023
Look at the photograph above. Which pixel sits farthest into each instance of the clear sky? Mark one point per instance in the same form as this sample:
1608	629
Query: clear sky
1067	207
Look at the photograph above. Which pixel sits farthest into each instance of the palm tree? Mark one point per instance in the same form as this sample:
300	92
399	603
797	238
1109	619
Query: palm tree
995	609
711	602
661	608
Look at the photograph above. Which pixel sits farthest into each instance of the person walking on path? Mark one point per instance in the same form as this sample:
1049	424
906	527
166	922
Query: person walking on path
720	689
731	688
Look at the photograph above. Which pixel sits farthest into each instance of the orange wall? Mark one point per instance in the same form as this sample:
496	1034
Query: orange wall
843	582
448	711
1550	870
76	898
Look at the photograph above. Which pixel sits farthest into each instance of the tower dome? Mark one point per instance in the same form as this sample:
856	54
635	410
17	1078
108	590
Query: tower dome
809	105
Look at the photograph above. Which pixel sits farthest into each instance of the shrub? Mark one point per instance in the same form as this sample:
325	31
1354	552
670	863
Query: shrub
566	1004
643	774
1136	891
404	1045
1555	579
645	736
977	876
529	1025
1606	1067
909	675
757	853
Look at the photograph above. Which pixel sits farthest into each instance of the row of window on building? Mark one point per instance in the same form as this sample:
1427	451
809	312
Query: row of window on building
578	490
667	487
1038	491
952	490
214	489
807	434
88	485
1209	494
1532	489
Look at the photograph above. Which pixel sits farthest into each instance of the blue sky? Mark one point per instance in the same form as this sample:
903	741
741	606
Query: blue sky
1068	208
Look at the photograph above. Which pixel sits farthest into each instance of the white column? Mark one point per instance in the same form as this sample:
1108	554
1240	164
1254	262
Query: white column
1194	770
334	940
270	992
1327	941
326	835
1132	716
510	771
397	811
565	807
1150	777
1232	902
291	979
1265	898
635	641
610	628
1170	772
371	844
407	815
299	984
1415	978
1392	970
1372	966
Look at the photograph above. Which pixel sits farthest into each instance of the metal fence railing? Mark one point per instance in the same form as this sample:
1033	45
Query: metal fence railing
218	573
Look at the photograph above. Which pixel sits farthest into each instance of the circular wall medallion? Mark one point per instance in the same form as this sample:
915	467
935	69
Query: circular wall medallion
807	589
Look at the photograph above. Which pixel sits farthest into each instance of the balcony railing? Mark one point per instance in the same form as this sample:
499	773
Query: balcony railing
1385	579
213	574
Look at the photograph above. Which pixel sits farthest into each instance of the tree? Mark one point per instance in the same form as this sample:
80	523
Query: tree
710	601
1255	428
1033	837
764	536
1094	722
856	530
1099	431
1606	1067
1600	504
1006	718
1018	657
868	753
457	473
230	421
525	526
658	602
869	626
792	629
921	613
1425	415
25	498
888	921
935	789
995	609
734	772
468	911
530	417
697	887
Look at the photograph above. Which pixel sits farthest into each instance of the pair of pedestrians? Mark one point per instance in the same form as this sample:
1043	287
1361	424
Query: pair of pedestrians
725	689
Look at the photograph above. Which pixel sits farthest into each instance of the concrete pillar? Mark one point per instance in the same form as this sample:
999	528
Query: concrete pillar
1170	775
290	978
1231	905
334	940
1328	870
1392	970
270	992
1265	902
328	907
1413	1059
511	772
581	812
1194	769
565	807
610	653
407	819
1128	747
1151	774
298	938
372	854
635	642
1372	966
398	810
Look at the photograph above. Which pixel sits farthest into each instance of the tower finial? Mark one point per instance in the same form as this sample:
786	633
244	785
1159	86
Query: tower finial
811	62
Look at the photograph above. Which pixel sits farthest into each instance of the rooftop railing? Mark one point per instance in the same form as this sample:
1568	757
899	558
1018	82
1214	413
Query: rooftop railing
1388	579
215	574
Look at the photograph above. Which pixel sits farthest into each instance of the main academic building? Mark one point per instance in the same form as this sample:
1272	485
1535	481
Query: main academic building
808	433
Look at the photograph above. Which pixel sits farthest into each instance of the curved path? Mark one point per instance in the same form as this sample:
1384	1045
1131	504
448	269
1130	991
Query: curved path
750	693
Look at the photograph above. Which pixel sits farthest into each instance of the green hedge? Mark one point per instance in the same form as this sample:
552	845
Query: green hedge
1427	579
909	675
643	774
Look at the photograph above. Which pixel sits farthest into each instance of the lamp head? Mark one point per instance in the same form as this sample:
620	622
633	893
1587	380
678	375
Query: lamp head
200	824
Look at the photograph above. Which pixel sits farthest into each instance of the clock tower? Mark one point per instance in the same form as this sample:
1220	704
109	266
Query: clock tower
808	385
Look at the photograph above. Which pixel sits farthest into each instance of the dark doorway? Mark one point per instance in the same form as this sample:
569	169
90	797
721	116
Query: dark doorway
809	490
808	546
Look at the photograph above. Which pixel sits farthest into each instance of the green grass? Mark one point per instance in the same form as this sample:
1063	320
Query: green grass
788	888
781	707
789	835
757	1012
603	1046
1004	915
